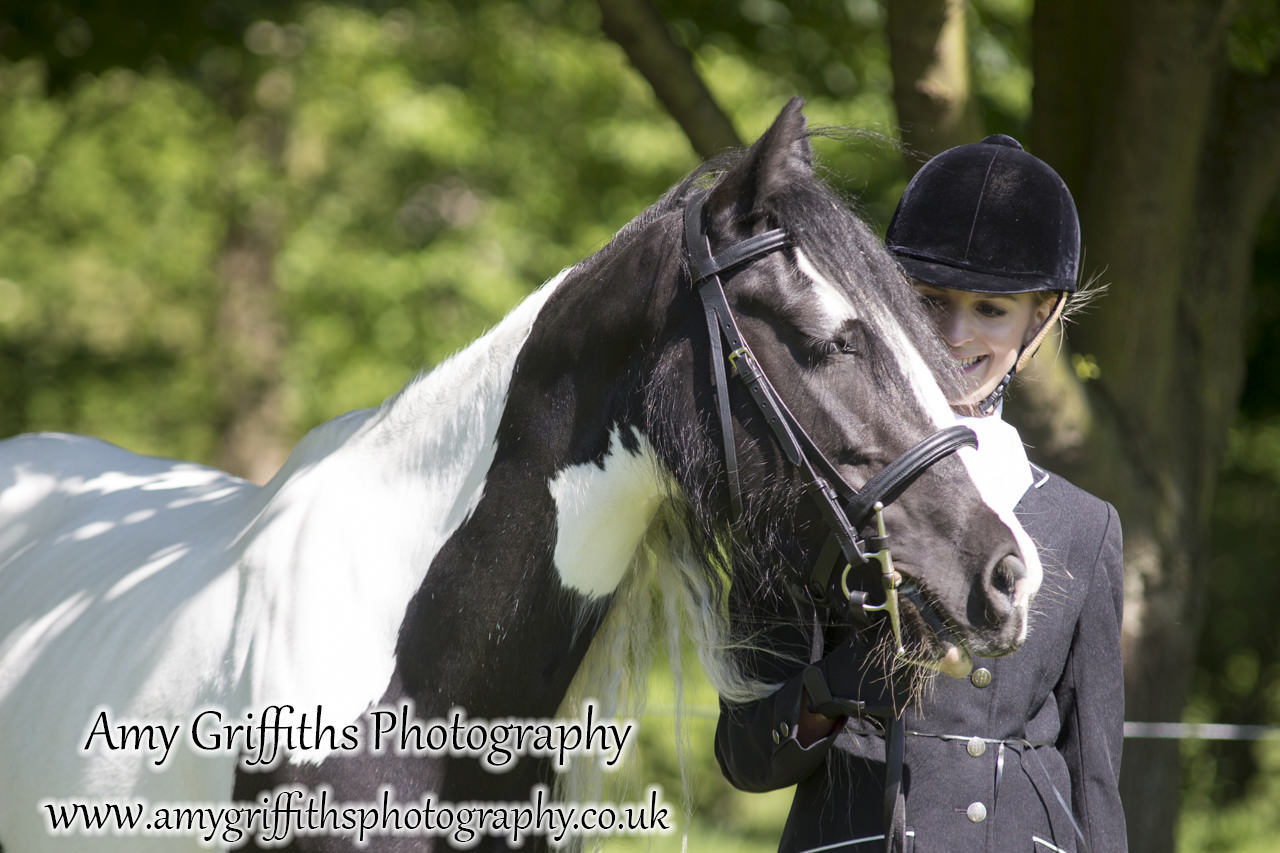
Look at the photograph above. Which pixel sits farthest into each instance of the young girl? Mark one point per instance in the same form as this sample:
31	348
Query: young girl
1024	753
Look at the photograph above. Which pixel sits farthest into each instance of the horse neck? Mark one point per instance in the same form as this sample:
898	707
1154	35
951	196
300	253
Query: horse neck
514	596
348	529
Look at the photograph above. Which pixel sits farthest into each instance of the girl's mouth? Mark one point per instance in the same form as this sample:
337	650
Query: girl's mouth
972	363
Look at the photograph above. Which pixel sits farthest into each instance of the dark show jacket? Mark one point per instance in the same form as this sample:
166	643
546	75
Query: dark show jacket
992	761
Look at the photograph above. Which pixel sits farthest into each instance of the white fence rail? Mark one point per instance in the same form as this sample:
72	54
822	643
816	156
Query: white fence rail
1199	731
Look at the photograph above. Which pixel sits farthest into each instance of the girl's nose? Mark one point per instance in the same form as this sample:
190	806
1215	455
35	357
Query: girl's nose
954	327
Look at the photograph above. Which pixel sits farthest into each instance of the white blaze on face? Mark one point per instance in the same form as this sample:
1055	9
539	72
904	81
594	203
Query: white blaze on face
602	513
1000	471
827	297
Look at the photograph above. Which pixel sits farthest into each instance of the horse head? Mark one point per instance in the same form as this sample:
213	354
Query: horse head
843	377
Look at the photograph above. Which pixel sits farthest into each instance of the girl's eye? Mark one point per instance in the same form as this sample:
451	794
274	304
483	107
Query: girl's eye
990	309
930	303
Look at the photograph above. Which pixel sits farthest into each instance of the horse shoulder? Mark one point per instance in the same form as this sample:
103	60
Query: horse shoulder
344	538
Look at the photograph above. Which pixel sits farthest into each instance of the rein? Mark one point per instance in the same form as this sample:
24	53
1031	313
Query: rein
846	510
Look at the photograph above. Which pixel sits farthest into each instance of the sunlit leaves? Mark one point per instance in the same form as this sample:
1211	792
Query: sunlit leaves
412	175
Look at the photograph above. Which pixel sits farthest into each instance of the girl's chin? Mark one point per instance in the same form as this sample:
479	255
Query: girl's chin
977	395
973	398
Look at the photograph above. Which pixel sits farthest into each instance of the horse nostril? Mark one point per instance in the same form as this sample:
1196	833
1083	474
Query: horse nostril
997	607
1004	583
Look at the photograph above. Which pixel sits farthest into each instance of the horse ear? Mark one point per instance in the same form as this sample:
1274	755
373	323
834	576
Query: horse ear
776	159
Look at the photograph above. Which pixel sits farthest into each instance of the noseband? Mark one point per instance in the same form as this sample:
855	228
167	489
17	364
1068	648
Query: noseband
846	510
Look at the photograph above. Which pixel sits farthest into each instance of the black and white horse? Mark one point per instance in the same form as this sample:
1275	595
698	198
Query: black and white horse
487	534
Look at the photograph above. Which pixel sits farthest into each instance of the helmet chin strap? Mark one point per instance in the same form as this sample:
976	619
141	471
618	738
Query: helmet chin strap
992	400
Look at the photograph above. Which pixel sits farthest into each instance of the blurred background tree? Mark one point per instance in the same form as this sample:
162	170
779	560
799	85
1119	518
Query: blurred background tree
223	222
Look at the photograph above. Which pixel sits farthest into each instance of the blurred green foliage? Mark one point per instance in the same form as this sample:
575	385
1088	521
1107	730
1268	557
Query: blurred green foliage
109	229
411	175
398	176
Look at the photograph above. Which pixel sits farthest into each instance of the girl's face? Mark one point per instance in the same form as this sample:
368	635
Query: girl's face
985	331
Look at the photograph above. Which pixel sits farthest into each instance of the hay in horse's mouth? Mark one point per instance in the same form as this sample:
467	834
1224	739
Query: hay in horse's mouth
955	660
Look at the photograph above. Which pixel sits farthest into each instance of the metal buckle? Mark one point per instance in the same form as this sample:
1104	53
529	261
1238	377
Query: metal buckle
890	580
743	353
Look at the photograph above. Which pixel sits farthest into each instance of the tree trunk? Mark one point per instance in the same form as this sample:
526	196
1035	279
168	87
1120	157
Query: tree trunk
250	392
1169	214
254	433
643	33
929	57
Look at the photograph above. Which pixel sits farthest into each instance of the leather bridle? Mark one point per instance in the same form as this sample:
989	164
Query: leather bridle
845	510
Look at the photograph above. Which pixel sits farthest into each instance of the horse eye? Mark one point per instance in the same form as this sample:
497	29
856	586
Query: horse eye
823	349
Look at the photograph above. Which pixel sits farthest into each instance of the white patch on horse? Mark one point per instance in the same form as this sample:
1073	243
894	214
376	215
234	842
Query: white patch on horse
828	298
988	483
602	513
410	476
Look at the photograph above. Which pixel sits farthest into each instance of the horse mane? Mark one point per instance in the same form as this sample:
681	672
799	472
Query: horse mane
679	582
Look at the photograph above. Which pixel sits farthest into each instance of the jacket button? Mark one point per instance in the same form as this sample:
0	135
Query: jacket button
976	746
976	812
782	732
980	677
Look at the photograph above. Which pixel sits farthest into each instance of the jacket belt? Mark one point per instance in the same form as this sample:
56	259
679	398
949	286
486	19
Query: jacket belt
1013	741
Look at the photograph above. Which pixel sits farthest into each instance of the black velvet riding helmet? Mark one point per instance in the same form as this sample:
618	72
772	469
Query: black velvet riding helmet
990	218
